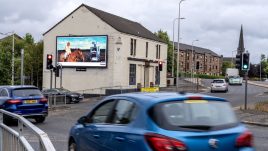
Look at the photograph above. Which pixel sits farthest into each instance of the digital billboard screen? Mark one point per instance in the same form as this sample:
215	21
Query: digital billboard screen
82	51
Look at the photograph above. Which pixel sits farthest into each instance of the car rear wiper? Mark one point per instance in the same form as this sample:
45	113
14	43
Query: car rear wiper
33	94
198	127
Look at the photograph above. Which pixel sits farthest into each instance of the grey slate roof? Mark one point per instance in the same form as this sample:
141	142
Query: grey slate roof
120	24
196	49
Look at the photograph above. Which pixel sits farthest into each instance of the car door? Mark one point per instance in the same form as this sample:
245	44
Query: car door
91	136
120	133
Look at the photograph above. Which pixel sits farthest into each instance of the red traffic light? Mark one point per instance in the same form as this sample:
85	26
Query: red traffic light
160	65
49	61
49	56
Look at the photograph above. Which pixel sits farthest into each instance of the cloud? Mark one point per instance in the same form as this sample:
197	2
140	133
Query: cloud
216	23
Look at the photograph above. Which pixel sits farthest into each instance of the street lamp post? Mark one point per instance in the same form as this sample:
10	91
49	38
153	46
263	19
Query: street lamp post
260	69
232	63
178	54
173	49
193	61
12	60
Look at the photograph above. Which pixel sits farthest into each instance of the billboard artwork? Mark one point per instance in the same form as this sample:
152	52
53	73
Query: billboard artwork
82	51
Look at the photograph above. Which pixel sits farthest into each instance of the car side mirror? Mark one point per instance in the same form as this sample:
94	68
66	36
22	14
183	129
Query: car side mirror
83	120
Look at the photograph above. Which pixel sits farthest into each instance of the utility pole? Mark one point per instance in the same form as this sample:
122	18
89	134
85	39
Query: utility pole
12	64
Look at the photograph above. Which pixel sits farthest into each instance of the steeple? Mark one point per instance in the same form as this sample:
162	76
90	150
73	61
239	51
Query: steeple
241	47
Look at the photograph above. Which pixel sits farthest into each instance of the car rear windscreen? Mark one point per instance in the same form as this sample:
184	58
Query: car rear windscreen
194	114
218	81
26	92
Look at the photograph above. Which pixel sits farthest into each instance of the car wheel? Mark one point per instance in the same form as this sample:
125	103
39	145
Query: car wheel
40	119
9	121
72	146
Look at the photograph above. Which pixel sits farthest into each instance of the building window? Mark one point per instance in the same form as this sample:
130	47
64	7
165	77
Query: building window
132	74
158	47
146	53
133	47
157	76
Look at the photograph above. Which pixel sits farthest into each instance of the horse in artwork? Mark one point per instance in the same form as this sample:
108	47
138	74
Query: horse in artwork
75	56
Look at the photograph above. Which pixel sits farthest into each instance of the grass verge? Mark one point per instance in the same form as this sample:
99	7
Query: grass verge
262	106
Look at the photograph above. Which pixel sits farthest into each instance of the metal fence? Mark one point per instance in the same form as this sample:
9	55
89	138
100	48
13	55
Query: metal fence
56	99
14	140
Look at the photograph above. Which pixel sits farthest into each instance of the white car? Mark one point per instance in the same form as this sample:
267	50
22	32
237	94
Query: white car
219	85
235	80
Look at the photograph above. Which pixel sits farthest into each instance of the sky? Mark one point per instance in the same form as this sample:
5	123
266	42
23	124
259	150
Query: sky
215	23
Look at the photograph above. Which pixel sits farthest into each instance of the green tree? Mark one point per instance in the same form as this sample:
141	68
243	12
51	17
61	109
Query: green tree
164	36
33	60
225	65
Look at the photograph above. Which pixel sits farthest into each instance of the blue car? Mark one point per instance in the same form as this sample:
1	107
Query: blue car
160	122
25	100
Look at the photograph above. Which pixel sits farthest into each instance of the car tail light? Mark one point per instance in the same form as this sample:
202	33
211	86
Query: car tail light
14	102
162	143
43	100
244	140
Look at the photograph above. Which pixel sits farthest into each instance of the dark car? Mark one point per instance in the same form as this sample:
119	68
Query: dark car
25	100
70	96
160	122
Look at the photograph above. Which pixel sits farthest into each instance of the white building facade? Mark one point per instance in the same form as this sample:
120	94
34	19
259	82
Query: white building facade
133	56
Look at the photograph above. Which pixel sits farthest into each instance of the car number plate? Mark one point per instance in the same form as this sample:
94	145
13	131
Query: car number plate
30	101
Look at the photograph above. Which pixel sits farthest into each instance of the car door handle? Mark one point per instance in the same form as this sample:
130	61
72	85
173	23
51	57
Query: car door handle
120	139
96	136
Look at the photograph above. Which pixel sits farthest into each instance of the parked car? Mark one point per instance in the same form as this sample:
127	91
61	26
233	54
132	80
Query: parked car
25	100
235	80
70	96
219	85
160	122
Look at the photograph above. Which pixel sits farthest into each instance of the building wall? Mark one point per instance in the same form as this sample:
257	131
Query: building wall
84	22
208	64
122	62
81	22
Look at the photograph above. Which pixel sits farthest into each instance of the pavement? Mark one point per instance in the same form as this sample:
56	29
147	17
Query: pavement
251	115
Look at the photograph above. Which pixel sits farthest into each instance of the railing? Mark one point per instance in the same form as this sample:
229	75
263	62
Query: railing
102	90
56	99
12	140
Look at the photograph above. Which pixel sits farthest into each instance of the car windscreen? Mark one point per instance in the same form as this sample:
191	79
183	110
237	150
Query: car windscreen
26	92
218	81
194	115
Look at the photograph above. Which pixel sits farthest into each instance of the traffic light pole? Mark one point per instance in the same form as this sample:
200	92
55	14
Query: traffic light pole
51	72
246	89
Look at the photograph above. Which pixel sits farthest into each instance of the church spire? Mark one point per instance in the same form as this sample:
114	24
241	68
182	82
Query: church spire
241	47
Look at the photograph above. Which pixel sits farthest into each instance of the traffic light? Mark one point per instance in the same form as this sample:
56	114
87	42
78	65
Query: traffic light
245	61
160	65
49	61
238	61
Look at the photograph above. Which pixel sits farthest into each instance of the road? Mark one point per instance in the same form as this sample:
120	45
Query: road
236	94
59	122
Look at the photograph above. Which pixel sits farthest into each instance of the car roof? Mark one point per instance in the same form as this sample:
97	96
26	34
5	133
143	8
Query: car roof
18	86
158	97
